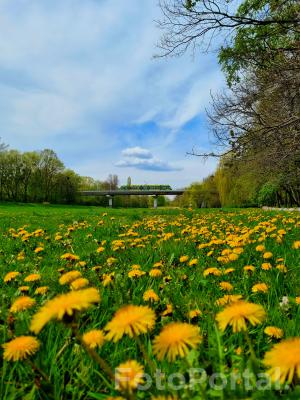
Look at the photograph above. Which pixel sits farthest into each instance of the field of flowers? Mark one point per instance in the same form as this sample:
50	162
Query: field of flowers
149	304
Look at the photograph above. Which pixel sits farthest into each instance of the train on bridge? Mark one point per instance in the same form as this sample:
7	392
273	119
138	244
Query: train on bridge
145	187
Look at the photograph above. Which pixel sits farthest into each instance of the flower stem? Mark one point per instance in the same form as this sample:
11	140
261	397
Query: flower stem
145	354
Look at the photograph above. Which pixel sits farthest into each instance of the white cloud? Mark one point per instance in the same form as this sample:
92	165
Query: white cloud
140	158
136	152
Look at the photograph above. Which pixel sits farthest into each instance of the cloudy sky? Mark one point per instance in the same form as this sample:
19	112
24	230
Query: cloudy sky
79	77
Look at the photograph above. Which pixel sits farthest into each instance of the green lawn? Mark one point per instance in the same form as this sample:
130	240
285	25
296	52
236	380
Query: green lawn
107	244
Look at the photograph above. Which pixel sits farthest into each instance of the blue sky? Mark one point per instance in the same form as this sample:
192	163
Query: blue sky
79	77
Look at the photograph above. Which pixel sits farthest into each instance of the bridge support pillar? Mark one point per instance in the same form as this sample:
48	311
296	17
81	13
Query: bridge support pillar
110	201
155	201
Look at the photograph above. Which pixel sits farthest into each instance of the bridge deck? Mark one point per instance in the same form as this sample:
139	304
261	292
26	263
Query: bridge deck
131	192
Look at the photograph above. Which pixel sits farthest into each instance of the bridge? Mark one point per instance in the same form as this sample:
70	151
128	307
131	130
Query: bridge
111	193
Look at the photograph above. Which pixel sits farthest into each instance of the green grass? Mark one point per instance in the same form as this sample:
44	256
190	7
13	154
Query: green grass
72	373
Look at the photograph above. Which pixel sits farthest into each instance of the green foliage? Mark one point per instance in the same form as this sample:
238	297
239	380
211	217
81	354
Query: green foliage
267	194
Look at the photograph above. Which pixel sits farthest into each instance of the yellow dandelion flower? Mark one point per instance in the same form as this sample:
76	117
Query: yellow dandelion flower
260	248
111	261
41	290
238	313
158	264
108	279
296	245
194	313
32	278
150	295
10	276
130	320
250	268
167	311
39	249
266	266
136	273
24	288
62	305
267	255
228	299
176	339
281	267
129	375
260	287
20	348
226	286
194	261
155	273
297	300
161	397
212	271
69	277
94	338
135	266
183	259
69	257
283	360
100	249
228	271
22	303
274	332
79	283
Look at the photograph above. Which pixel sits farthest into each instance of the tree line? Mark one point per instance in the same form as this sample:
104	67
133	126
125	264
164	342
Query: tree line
256	119
41	177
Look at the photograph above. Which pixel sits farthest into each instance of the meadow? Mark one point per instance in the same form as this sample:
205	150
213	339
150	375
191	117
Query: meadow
149	304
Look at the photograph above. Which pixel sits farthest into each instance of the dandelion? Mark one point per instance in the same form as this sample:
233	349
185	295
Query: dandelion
169	397
281	267
69	277
260	248
130	320
20	348
183	259
129	375
260	287
296	245
248	268
107	279
226	286
22	303
283	360
267	255
274	332
136	273
10	276
100	249
24	288
194	261
228	299
41	290
32	278
150	295
94	338
238	313
297	300
167	311
192	314
79	283
155	273
266	266
69	257
64	305
176	339
39	249
212	271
